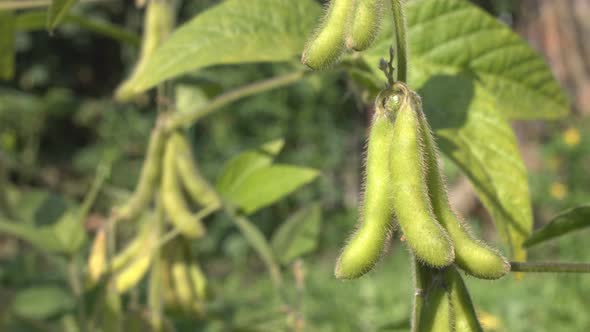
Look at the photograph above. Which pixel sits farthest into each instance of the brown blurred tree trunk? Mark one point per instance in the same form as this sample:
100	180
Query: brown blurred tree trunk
561	31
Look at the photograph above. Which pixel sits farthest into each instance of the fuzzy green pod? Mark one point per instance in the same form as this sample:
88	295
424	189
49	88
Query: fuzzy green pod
173	200
473	256
438	314
196	186
365	25
158	23
411	204
135	267
465	317
148	178
327	44
366	244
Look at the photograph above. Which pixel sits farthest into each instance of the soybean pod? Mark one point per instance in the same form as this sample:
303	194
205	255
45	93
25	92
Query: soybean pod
411	204
148	178
196	186
366	244
158	23
365	24
173	200
473	256
327	44
465	317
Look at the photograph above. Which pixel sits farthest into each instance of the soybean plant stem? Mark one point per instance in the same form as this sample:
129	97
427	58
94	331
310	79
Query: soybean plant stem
76	284
420	286
401	43
551	267
24	4
186	119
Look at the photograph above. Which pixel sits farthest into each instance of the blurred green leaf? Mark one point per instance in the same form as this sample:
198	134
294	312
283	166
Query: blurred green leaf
70	232
58	11
37	20
451	36
239	167
41	237
473	134
260	244
267	185
7	39
234	31
567	221
42	302
298	235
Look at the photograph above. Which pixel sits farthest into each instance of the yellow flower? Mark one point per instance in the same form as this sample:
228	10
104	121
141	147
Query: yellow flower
488	321
572	137
558	190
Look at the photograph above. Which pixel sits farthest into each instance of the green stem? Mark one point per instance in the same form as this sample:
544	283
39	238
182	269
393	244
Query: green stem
549	267
421	282
24	4
155	284
401	43
76	285
186	119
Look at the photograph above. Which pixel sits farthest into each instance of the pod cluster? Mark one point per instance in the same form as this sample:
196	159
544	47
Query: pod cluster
403	182
170	164
184	286
170	175
347	24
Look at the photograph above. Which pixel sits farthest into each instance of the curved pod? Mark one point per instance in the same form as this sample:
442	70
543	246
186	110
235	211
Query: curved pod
366	244
365	24
327	44
173	200
473	256
411	204
196	186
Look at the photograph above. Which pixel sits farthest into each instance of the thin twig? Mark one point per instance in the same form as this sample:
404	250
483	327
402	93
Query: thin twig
401	43
552	267
26	4
186	119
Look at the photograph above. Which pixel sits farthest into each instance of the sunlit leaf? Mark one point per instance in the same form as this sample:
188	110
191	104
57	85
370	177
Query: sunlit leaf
452	36
238	168
234	31
267	185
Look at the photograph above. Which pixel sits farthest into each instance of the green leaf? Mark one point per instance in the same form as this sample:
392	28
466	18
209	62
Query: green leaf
7	39
257	240
298	235
69	231
41	237
36	20
58	11
481	142
267	185
451	36
234	31
42	302
238	168
566	222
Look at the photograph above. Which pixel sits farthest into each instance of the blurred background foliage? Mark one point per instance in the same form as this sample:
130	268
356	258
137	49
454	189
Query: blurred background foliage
58	122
